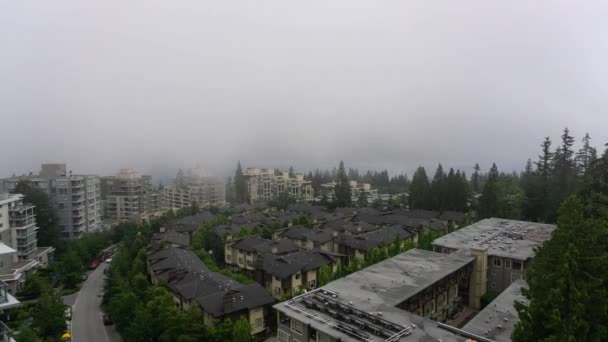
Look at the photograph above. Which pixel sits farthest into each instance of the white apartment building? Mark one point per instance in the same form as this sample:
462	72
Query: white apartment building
194	186
356	188
76	198
129	196
78	203
266	184
20	255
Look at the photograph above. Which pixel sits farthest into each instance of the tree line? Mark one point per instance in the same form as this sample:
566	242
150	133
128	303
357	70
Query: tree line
537	192
568	278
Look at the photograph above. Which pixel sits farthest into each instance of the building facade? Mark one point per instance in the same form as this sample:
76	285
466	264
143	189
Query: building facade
194	186
267	184
508	246
76	198
20	255
129	196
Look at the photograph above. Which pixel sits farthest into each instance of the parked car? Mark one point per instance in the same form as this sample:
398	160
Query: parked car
94	264
107	320
109	260
84	277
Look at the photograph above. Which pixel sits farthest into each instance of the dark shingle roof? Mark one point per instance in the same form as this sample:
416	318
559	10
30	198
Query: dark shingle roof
233	229
456	216
244	297
377	238
282	246
250	243
175	259
193	222
202	283
286	265
174	237
297	232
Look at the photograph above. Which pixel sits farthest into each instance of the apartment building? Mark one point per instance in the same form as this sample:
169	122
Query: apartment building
129	196
508	246
241	255
20	255
356	188
266	184
219	297
194	186
76	198
394	300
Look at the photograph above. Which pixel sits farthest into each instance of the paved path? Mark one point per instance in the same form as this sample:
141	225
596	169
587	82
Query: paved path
87	322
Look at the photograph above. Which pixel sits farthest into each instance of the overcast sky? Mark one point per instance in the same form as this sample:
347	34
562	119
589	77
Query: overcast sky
160	85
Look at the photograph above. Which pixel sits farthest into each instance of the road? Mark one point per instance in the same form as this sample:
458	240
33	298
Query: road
87	321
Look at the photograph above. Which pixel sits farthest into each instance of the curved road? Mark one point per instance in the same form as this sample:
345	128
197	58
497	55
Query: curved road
87	321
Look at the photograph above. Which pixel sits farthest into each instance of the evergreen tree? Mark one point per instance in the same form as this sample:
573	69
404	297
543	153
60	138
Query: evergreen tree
488	204
241	331
342	189
584	156
292	173
230	198
46	217
362	200
567	282
240	186
476	180
564	175
544	171
438	189
420	190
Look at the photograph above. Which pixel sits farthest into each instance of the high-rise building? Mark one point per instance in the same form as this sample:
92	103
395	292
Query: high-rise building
129	196
78	202
20	255
76	198
266	184
194	186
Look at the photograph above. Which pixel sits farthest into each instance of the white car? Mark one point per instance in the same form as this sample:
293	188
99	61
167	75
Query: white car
109	260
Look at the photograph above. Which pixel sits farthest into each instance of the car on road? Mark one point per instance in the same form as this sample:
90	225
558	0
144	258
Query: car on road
94	264
109	260
107	320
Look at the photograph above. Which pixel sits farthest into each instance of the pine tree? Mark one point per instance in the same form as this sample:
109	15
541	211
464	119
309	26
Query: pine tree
420	190
476	180
240	186
584	155
362	200
488	203
342	189
544	171
438	190
567	282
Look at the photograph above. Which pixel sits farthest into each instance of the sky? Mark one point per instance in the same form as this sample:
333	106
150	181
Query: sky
160	85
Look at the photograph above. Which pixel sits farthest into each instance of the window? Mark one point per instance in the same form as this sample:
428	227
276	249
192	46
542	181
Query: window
507	263
283	336
498	262
277	290
297	326
493	285
516	265
312	284
249	263
258	322
493	272
297	275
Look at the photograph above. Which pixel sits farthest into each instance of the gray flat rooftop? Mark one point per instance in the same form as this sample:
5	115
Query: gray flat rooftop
502	237
380	288
497	320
